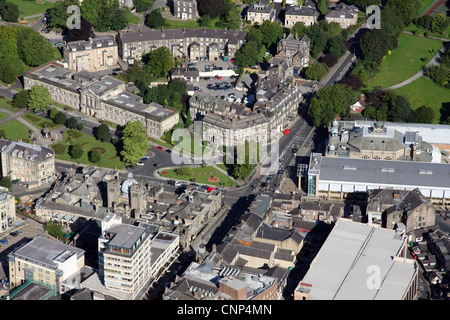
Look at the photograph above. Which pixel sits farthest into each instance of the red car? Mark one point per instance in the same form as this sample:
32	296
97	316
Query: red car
160	148
287	131
219	78
210	189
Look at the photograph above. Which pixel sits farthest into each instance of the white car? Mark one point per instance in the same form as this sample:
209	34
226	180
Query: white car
181	183
140	163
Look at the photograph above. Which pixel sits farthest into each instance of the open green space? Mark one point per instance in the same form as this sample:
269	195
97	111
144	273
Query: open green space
132	18
109	157
412	54
424	91
419	30
188	24
31	8
3	115
6	104
40	122
201	175
425	5
16	130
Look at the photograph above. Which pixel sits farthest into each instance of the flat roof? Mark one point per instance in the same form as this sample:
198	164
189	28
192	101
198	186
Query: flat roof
341	268
46	251
384	172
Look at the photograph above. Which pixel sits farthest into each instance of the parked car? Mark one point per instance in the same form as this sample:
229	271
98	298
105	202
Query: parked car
5	241
197	89
211	189
181	184
140	163
160	148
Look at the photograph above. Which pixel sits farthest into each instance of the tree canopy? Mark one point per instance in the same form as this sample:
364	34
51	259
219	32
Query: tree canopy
329	102
135	142
39	98
159	61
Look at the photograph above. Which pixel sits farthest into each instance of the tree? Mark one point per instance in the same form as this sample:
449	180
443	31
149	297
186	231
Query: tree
11	12
57	16
20	99
329	102
231	19
336	46
212	8
7	74
184	171
323	6
142	5
400	109
3	134
75	151
135	142
330	59
33	49
94	156
54	229
160	61
39	98
318	39
84	33
438	74
6	182
155	20
299	29
423	114
71	123
316	71
103	133
374	45
205	21
272	32
246	56
104	15
60	118
53	113
353	81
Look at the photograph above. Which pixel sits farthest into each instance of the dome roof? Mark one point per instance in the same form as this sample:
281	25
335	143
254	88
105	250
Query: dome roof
128	183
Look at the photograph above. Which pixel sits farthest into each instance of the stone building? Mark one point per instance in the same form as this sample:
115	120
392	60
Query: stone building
278	102
185	9
260	12
45	261
343	14
378	142
390	207
192	44
7	209
291	47
306	14
92	55
29	163
105	98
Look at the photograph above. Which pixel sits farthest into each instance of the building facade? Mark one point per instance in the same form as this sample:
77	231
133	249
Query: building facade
343	14
192	44
306	14
104	98
126	260
7	209
91	55
185	9
260	12
29	163
45	261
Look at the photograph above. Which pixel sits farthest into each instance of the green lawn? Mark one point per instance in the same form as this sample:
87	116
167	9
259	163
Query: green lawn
5	103
419	30
423	91
425	5
3	115
411	55
16	130
109	157
31	8
132	19
40	122
201	175
188	24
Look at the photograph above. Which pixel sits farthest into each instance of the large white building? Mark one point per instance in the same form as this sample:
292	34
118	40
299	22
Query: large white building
130	256
339	176
360	262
